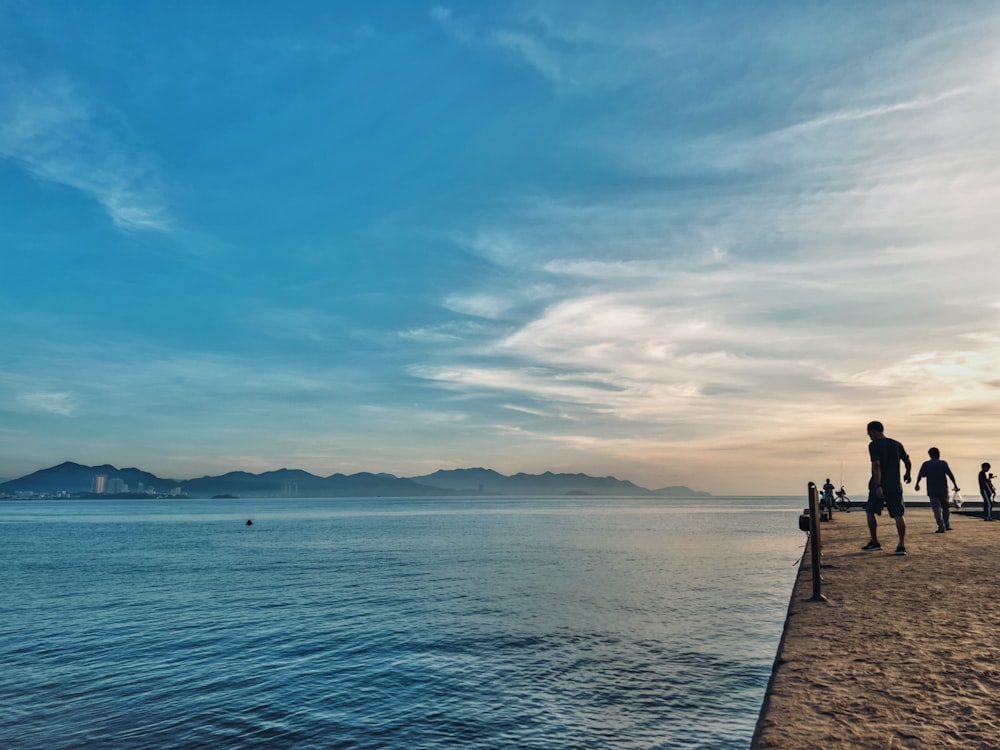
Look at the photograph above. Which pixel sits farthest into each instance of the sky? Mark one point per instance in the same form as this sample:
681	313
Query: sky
680	243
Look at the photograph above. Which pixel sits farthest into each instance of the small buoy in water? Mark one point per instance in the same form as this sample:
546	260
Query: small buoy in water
249	522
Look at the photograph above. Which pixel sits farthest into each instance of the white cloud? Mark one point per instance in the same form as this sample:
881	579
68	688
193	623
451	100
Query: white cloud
458	30
850	115
534	51
51	131
490	306
688	348
60	404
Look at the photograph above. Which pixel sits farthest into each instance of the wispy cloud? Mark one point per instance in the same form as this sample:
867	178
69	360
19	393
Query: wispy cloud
49	129
537	52
455	28
851	115
60	404
533	51
490	306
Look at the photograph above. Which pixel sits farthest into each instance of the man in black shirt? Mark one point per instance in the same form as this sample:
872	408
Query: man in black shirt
885	488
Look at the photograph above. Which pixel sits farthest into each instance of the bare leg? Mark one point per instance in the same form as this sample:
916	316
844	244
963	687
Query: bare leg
872	527
901	530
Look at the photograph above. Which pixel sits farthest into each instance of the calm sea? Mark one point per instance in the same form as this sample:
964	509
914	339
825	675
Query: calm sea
403	623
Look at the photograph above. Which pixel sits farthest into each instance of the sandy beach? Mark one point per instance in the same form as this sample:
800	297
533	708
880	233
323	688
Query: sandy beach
905	652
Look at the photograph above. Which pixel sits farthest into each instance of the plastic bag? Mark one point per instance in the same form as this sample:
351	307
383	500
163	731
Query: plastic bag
956	501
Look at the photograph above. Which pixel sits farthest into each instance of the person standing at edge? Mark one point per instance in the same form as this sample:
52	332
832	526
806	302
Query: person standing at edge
937	473
885	489
828	494
988	492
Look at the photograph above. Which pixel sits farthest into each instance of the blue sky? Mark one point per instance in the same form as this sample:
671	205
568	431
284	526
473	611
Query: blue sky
695	243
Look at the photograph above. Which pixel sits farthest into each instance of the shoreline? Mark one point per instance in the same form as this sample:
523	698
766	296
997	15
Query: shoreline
903	653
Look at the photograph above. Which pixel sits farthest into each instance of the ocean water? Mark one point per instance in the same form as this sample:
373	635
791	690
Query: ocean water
391	623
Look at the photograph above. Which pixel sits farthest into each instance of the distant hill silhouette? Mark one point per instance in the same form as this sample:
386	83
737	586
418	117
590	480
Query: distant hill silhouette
72	477
298	483
76	478
490	482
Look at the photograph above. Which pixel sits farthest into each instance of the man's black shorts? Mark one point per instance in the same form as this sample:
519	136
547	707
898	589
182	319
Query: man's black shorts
892	499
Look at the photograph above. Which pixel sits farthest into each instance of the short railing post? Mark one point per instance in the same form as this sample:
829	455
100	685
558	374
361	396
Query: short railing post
815	543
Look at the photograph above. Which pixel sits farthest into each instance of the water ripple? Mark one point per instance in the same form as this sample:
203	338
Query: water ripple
563	629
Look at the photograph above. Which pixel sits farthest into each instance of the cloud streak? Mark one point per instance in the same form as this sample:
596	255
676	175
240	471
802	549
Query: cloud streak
60	404
49	130
536	52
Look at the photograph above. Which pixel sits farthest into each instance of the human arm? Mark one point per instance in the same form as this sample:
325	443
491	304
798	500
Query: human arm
876	481
954	484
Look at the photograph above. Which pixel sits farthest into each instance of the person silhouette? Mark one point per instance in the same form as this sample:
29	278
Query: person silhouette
988	491
885	488
828	494
937	473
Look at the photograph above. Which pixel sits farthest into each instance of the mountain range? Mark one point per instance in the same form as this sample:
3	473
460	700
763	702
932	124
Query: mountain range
73	478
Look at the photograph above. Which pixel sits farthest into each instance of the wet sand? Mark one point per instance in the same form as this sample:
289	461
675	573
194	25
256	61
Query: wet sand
905	652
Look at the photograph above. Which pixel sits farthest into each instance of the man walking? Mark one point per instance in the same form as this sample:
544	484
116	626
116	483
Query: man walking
937	473
988	492
885	488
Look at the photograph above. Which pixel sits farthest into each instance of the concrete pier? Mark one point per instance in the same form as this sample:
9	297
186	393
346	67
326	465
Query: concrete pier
904	652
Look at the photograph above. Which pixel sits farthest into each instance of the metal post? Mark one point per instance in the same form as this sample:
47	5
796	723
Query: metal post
814	542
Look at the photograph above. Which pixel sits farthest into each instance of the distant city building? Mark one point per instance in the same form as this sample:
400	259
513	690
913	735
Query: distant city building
117	486
100	483
290	489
